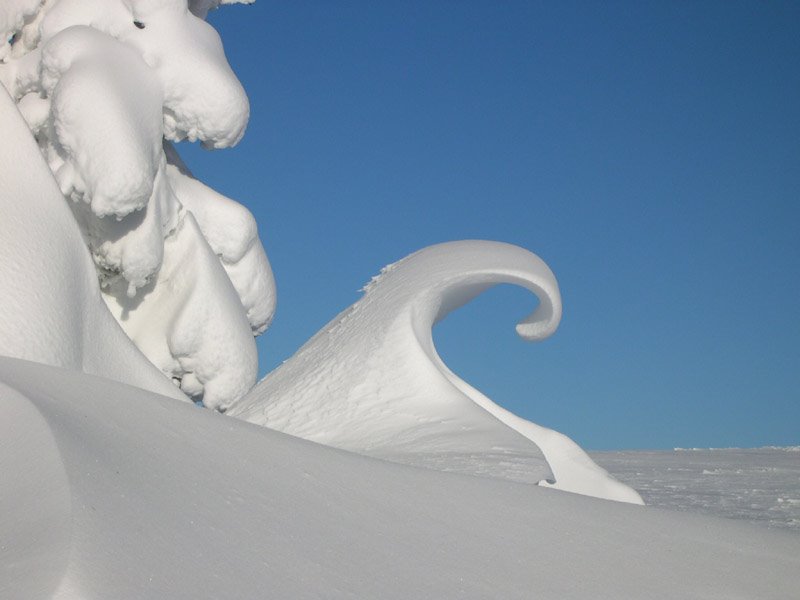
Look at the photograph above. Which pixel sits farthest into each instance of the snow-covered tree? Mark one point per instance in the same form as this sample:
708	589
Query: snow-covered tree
106	86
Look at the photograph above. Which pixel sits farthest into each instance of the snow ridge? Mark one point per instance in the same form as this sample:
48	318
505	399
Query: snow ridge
372	382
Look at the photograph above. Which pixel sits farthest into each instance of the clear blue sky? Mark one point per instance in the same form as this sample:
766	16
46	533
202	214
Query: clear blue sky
648	151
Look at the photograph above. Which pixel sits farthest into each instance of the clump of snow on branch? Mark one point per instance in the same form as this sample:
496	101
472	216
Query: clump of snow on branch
52	310
102	84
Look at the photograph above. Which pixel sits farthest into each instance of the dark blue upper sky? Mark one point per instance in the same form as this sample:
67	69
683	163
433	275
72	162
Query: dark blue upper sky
648	151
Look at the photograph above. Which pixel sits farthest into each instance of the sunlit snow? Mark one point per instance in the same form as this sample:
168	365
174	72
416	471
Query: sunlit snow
129	287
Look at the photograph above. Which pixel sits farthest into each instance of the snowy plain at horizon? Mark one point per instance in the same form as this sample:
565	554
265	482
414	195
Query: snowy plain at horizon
647	152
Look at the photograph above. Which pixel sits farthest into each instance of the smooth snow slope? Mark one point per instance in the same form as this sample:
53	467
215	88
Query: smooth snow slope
112	492
372	382
50	305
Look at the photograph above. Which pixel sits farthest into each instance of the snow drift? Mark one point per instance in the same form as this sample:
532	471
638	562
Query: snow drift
151	498
372	382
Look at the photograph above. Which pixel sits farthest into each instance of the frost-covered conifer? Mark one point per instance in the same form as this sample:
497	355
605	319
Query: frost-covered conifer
106	86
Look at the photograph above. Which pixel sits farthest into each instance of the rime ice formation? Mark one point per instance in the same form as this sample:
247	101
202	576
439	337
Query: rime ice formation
50	305
102	84
372	382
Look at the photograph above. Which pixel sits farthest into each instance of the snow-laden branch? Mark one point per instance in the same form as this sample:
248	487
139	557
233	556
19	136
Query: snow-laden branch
102	84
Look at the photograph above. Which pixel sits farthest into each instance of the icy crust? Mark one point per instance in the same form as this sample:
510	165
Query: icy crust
168	501
372	382
101	83
52	311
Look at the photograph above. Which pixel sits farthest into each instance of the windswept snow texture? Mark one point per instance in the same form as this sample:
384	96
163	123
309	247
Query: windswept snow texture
101	84
50	305
761	485
372	382
112	492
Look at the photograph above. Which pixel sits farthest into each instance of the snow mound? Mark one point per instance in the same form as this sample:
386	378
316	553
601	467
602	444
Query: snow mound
151	498
372	382
52	309
101	84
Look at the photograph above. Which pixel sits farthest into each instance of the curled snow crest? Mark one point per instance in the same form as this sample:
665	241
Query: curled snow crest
372	382
366	383
439	279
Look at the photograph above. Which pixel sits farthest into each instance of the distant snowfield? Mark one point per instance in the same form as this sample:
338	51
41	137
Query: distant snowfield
761	485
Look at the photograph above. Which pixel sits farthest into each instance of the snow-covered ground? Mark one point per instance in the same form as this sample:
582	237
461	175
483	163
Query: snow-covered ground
109	491
761	485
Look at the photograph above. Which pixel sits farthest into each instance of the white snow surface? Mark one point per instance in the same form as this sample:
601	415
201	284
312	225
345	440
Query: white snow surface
113	492
101	84
372	382
761	485
116	489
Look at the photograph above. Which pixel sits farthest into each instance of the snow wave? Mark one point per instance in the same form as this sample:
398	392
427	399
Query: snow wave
371	380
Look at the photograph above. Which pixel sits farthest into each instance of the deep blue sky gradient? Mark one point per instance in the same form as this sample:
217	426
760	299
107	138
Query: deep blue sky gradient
648	151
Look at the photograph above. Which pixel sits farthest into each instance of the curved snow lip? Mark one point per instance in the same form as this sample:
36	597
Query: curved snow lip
444	277
371	380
